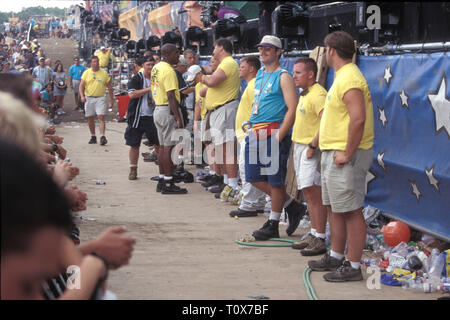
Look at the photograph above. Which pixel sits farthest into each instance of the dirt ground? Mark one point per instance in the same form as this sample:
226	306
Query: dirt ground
185	245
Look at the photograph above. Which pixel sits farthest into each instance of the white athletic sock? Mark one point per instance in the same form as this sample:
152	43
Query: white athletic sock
93	135
275	216
225	178
313	232
133	165
161	176
321	235
233	182
167	178
336	255
288	202
355	265
180	159
212	172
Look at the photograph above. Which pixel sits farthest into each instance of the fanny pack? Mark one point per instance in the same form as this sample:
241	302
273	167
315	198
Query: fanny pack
268	127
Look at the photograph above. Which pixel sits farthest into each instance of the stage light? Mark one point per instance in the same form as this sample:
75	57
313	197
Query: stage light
152	42
130	48
195	34
289	22
172	37
227	28
140	47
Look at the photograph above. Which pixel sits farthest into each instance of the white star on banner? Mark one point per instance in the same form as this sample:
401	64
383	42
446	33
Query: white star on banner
369	177
441	107
382	116
380	157
431	179
404	98
415	191
387	75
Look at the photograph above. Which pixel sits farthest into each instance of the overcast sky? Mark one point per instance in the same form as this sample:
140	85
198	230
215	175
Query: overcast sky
17	5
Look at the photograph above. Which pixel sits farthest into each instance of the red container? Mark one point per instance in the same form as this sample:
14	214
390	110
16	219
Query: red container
122	105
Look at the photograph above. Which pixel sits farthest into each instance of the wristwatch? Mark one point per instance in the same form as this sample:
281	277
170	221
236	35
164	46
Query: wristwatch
311	146
55	147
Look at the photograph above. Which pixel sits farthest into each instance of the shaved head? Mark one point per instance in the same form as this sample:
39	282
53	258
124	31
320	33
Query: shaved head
167	49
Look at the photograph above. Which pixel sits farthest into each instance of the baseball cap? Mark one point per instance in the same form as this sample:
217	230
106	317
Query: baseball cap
192	72
102	47
183	61
24	47
270	41
41	59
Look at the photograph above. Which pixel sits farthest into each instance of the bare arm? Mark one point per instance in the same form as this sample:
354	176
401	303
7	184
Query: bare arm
139	93
314	142
111	93
215	79
203	92
290	98
81	90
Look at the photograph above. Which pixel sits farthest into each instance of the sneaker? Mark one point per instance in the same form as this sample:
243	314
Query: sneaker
133	173
327	263
120	120
344	273
205	178
93	140
268	230
225	193
243	213
180	167
302	244
295	212
169	187
214	180
315	248
217	189
103	140
217	195
150	158
160	185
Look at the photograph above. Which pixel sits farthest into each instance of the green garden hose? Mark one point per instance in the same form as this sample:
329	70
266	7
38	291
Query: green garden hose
252	244
306	280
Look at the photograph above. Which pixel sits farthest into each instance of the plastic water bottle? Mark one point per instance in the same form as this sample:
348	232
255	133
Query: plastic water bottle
401	248
99	181
444	287
436	264
419	285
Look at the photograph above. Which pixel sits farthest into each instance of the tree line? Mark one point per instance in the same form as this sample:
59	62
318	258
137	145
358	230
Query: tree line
32	11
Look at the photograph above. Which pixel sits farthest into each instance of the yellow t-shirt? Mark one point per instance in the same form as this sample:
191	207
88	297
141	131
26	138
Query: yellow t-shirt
103	58
228	89
95	82
163	80
307	119
245	108
199	86
141	69
335	119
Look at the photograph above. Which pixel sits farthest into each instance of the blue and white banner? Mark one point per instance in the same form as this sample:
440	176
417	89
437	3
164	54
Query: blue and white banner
410	176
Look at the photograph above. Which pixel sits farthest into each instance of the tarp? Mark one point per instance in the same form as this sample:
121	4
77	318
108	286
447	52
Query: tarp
181	14
250	9
106	12
127	5
410	175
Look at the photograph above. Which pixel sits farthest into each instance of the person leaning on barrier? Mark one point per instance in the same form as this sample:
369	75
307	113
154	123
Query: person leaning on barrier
346	140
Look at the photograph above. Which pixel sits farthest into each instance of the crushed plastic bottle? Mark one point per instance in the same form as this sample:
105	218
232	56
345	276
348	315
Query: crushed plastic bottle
419	286
99	182
401	249
437	263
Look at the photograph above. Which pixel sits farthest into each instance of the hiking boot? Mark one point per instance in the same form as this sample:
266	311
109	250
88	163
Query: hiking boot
217	189
315	248
327	263
133	173
103	140
225	193
155	178
302	244
295	212
93	140
169	187
268	230
243	213
214	180
160	185
344	273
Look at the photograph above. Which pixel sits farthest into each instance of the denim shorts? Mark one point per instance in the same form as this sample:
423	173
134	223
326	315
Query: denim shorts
261	165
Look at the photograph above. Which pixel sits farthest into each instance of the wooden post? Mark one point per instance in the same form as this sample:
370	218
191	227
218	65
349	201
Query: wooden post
318	54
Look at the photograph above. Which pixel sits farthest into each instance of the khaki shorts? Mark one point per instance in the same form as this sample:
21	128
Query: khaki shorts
343	188
204	134
95	106
222	122
166	124
306	169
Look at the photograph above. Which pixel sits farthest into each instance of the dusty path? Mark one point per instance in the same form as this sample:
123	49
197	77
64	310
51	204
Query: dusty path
185	244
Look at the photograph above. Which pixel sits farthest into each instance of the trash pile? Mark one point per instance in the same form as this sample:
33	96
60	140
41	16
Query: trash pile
407	258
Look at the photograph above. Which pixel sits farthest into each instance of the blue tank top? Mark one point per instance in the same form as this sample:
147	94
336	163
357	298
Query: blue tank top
269	102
